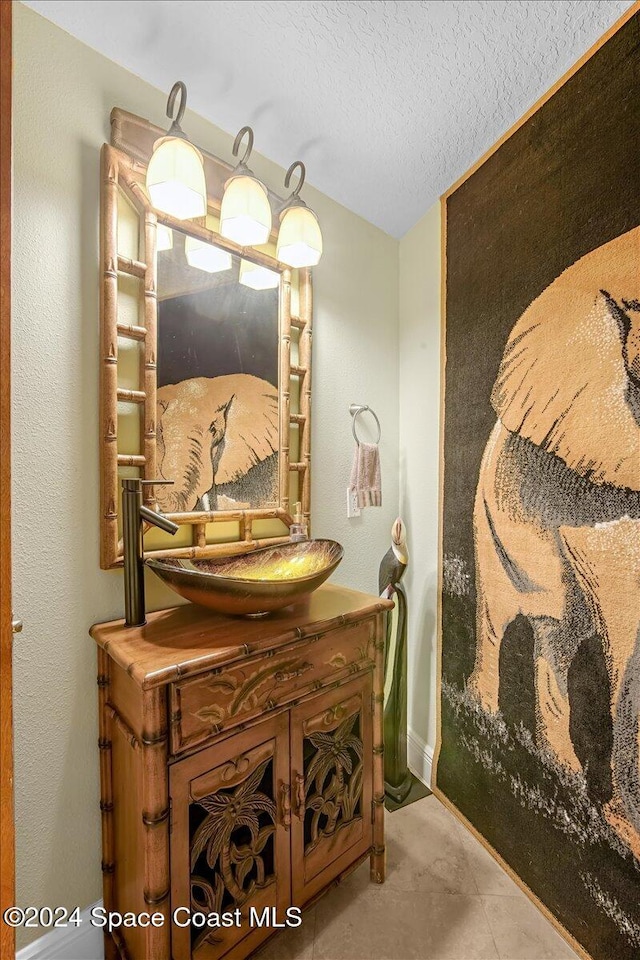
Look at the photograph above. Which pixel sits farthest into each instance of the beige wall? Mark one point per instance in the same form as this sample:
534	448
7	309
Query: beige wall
63	95
419	324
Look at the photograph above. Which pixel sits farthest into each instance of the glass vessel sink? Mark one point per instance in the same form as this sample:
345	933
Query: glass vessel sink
252	583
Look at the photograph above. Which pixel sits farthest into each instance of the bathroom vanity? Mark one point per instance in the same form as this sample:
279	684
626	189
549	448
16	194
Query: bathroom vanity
241	767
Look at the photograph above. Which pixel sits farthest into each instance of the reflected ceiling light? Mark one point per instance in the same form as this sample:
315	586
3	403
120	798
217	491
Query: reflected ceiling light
164	238
257	277
299	237
245	213
204	256
175	175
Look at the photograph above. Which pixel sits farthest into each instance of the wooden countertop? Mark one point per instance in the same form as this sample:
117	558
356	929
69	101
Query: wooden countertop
186	640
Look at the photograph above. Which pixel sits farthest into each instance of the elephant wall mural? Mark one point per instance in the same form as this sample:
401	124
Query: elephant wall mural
557	510
539	619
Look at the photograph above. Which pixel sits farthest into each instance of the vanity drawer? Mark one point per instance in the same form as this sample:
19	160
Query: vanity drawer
205	705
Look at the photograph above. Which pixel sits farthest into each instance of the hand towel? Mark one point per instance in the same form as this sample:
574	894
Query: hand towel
365	475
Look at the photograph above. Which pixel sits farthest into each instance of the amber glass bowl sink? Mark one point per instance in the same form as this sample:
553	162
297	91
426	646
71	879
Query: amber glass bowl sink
252	583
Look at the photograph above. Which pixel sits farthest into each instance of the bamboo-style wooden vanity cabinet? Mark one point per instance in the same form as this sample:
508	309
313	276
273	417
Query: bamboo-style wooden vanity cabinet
241	767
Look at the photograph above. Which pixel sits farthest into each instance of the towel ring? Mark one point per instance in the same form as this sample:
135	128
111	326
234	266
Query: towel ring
355	410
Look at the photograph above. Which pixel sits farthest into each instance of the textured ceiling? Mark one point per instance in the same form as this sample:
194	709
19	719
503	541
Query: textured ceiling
387	101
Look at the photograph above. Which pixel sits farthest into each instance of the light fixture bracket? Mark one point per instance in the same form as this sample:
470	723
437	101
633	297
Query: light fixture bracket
238	140
175	130
241	169
294	199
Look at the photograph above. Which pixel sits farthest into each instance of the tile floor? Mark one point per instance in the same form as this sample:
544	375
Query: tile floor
445	898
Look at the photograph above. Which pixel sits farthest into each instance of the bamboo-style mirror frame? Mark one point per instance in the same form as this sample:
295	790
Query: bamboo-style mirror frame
123	168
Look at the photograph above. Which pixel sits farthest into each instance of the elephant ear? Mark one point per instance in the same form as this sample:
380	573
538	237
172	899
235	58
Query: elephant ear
563	383
252	426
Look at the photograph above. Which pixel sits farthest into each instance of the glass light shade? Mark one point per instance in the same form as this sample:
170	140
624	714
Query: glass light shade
257	277
206	257
175	179
245	213
299	238
164	238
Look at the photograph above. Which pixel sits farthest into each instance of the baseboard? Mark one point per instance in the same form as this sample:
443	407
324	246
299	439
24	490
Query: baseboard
84	942
420	757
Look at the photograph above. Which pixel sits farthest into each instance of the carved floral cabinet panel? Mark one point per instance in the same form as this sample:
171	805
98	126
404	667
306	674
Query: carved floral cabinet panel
230	837
331	763
241	768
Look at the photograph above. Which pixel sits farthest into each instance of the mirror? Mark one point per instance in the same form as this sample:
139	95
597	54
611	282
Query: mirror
205	374
217	393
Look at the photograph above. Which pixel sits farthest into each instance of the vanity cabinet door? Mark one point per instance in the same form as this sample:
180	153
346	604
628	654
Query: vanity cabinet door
230	843
331	785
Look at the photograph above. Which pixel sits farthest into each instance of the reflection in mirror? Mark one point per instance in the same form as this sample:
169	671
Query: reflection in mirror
217	399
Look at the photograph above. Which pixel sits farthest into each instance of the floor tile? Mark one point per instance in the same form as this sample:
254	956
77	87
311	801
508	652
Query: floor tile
522	932
426	852
385	924
489	876
445	898
295	943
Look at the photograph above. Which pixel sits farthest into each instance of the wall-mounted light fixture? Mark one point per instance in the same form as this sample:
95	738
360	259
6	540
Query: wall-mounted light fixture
204	256
176	185
257	277
299	237
175	175
245	213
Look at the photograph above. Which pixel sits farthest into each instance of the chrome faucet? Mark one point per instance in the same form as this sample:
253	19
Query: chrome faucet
134	513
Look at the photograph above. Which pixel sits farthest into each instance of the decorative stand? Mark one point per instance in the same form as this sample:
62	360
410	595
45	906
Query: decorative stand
401	787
